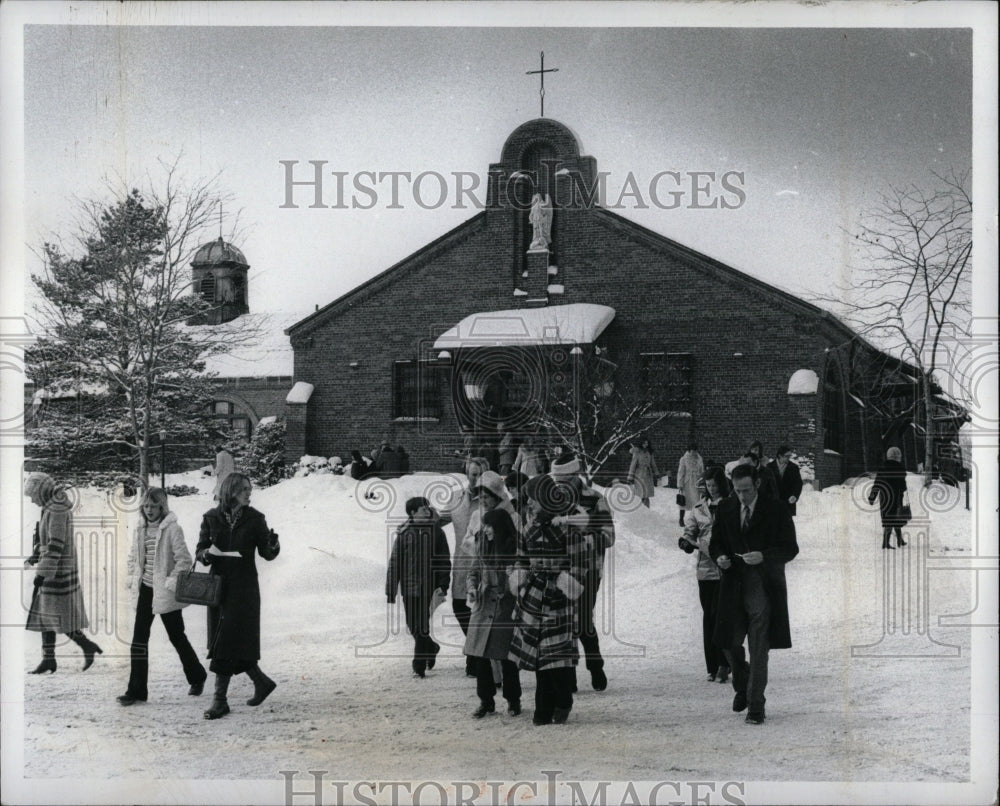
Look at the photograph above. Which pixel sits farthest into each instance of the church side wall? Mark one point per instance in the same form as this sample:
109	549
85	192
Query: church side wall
663	304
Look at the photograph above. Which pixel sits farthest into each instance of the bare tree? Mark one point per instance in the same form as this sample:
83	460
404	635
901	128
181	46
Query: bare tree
594	411
114	309
912	287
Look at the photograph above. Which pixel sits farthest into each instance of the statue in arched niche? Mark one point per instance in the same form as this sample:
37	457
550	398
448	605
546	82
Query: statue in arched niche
541	221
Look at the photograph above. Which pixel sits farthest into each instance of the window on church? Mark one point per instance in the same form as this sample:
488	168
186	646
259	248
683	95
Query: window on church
207	289
228	419
416	391
665	379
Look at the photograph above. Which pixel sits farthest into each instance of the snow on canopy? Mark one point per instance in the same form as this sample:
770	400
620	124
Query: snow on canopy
300	393
577	323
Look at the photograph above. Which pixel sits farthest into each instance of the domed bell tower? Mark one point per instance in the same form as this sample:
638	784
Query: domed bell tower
220	280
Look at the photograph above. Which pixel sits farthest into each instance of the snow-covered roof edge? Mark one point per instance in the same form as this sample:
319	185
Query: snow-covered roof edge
577	323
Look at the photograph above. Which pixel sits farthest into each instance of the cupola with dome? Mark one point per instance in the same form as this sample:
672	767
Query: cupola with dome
220	279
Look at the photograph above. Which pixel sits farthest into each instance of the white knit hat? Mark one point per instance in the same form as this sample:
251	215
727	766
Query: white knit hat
565	466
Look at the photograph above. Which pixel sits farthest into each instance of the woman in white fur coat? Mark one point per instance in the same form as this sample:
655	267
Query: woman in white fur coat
159	553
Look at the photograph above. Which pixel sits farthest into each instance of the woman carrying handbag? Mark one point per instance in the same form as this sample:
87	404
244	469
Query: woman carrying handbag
232	534
159	553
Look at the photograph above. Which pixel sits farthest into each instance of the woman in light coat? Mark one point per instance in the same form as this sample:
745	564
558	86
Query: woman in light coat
697	534
159	553
690	469
491	625
642	472
57	600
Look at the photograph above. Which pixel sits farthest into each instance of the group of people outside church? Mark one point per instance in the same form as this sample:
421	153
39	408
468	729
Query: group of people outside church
523	579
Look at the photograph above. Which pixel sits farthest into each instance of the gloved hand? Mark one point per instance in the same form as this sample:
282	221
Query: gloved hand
204	557
39	579
685	545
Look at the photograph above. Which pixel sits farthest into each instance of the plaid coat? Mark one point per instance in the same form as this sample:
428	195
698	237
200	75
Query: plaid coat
57	604
550	564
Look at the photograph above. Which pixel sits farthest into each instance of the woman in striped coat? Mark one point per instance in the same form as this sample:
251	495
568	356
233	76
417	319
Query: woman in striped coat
57	601
548	577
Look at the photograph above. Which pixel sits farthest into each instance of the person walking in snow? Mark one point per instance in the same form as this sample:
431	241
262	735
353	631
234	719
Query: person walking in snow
642	471
548	577
591	518
459	513
419	567
690	469
753	537
697	536
224	465
529	459
785	477
231	535
755	458
158	554
506	451
57	599
491	624
890	490
359	465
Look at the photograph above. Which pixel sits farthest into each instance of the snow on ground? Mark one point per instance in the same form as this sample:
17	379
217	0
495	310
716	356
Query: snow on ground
346	701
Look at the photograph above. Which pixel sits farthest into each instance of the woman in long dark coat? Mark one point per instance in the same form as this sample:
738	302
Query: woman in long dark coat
231	534
890	488
491	624
57	601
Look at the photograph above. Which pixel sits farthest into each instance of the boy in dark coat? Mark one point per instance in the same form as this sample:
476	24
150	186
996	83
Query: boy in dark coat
752	539
419	565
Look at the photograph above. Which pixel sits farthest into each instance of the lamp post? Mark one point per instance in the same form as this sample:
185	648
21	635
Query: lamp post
163	459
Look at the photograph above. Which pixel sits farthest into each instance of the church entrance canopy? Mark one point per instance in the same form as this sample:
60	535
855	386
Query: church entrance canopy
506	364
578	323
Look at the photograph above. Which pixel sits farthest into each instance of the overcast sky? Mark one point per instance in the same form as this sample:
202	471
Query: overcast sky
817	121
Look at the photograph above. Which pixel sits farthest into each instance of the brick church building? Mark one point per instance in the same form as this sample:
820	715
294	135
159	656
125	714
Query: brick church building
476	326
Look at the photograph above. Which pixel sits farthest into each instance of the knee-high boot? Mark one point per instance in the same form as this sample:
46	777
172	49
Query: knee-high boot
48	663
89	647
220	705
262	685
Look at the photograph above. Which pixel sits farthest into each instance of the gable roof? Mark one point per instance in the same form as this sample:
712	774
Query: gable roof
612	221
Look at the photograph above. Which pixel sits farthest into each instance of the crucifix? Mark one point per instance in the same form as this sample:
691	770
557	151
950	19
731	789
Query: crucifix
541	74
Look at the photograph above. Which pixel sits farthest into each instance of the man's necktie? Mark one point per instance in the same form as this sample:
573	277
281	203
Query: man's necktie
746	517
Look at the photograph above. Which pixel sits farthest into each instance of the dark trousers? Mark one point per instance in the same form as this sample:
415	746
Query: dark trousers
751	622
553	689
463	613
418	622
174	622
588	629
486	688
708	594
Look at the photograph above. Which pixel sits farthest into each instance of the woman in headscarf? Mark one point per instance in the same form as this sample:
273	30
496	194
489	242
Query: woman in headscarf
548	577
57	601
890	490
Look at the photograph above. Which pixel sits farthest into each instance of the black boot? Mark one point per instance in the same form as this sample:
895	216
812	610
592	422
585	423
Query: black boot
89	648
48	663
220	706
262	685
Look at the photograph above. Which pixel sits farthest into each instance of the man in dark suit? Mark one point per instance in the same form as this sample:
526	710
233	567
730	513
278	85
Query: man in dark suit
752	539
787	478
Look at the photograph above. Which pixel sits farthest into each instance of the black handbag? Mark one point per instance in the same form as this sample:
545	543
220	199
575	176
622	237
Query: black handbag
681	500
198	587
904	513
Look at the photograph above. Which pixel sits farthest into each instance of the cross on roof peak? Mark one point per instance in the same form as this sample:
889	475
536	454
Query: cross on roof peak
541	74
